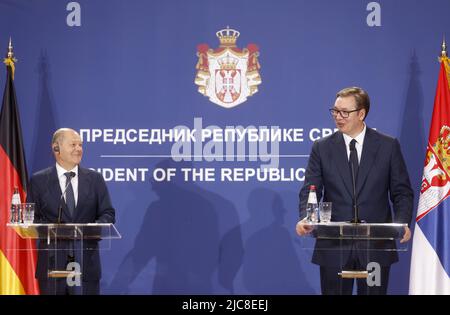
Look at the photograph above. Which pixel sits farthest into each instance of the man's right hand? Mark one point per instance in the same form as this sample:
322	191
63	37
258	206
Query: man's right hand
303	227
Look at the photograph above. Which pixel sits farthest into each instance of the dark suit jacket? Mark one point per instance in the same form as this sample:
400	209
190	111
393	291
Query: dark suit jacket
382	176
94	205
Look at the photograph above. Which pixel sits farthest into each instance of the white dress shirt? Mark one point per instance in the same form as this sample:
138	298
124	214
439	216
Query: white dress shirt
62	181
358	145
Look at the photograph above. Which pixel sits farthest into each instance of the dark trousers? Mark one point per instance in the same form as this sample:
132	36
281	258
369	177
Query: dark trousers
332	283
59	286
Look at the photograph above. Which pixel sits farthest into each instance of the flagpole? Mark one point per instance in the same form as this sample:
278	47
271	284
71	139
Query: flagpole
443	49
17	256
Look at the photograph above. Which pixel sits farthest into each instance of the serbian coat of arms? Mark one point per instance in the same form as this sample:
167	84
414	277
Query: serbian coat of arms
228	74
435	181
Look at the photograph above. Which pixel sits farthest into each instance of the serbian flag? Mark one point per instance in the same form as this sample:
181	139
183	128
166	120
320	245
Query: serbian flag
17	255
430	261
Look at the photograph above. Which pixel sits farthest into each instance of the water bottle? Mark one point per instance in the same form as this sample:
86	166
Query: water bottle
15	207
312	207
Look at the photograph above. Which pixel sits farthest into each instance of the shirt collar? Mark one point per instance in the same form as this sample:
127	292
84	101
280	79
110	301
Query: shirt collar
61	171
359	138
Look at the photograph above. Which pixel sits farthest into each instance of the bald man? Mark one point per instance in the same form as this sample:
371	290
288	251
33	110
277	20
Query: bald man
85	200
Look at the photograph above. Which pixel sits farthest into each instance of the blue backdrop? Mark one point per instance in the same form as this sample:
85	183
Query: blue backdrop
128	65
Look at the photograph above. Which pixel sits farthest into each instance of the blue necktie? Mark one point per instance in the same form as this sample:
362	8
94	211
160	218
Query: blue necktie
70	197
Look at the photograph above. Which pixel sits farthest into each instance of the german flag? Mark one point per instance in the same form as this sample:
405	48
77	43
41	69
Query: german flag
17	255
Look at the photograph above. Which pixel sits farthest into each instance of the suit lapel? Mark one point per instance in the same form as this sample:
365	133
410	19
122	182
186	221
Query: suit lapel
55	191
339	155
368	158
83	190
53	183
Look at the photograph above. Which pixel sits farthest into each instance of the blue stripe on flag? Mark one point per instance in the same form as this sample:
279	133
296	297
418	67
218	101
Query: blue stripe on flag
436	228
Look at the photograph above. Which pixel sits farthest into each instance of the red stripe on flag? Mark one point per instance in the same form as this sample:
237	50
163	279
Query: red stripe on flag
441	111
12	245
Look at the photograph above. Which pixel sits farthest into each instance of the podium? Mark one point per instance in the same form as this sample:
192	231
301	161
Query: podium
367	238
358	231
60	241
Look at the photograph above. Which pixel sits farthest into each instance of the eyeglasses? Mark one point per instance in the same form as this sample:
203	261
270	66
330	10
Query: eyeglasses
343	113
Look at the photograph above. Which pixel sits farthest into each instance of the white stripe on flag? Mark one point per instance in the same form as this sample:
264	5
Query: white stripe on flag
427	276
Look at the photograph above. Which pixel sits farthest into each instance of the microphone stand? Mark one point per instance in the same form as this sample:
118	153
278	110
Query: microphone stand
70	254
356	219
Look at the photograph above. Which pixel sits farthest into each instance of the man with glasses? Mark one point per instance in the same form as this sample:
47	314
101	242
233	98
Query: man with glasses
376	162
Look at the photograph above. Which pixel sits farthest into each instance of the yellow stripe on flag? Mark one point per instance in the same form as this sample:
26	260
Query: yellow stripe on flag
9	281
446	62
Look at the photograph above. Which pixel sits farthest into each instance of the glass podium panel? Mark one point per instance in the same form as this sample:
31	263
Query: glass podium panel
52	232
360	231
63	247
372	243
365	236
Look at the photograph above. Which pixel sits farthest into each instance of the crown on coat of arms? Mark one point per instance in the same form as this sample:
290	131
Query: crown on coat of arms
228	63
442	147
228	36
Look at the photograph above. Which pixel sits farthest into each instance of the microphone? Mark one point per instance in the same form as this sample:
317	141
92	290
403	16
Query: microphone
72	175
355	201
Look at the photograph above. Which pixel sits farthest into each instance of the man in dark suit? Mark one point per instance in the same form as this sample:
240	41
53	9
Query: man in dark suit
380	174
83	197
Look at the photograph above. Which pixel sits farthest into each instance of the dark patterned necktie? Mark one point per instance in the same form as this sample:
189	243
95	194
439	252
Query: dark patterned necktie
354	158
70	197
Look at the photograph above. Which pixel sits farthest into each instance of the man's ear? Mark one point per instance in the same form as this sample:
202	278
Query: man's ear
362	114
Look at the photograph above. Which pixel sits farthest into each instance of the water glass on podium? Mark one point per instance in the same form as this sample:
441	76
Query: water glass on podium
27	210
325	212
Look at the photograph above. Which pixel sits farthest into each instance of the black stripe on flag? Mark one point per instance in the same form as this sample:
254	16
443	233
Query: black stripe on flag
11	131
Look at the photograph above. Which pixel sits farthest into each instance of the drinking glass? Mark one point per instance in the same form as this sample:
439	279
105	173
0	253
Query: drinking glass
27	212
325	212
